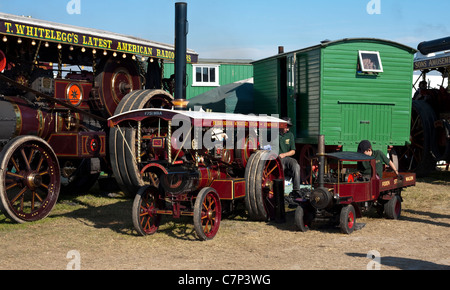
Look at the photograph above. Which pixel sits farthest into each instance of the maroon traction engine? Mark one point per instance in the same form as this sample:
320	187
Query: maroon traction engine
210	167
58	86
340	193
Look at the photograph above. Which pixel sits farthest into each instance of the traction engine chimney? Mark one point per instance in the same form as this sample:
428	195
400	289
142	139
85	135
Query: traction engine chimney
181	31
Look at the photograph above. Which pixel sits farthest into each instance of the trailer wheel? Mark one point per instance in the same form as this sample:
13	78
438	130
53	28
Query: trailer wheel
145	220
268	168
207	213
303	218
393	208
29	180
347	219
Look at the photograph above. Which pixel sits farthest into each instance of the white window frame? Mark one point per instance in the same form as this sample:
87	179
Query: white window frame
368	70
216	83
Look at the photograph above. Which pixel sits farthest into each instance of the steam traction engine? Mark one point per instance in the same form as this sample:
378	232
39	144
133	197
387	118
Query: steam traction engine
430	118
58	86
199	164
340	193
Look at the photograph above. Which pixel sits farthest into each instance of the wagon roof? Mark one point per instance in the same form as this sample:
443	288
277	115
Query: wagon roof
349	156
200	118
344	40
27	27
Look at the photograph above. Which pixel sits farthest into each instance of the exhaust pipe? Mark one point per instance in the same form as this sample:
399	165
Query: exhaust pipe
321	155
181	31
321	198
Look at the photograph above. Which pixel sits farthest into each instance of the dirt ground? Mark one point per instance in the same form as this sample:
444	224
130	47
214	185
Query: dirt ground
100	230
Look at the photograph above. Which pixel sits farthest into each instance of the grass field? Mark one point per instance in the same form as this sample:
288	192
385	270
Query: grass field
100	228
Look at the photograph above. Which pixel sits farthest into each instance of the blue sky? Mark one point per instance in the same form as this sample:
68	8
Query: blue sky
251	29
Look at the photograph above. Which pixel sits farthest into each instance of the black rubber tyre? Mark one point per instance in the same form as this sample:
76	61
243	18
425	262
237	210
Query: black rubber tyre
250	171
347	219
122	144
268	169
393	207
303	219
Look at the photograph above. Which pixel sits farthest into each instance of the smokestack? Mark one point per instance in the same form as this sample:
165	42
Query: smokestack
436	45
321	155
181	31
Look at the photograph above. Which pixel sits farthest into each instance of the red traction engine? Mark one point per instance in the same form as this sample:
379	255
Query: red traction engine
199	164
58	86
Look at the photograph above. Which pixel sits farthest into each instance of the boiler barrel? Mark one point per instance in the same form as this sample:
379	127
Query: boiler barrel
8	120
436	45
18	117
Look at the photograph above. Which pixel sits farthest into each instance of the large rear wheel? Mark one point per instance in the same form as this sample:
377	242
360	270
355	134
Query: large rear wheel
29	179
265	168
418	155
123	140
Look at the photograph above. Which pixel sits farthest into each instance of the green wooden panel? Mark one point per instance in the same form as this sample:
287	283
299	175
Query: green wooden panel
384	99
333	99
308	95
266	87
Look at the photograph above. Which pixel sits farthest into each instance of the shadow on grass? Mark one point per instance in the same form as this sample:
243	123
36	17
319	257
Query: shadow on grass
403	263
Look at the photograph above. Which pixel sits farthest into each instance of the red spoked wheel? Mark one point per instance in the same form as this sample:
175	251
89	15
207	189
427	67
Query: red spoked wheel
207	214
29	180
145	219
348	219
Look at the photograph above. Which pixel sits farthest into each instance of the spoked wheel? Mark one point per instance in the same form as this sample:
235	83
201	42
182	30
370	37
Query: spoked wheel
347	219
145	219
207	213
393	208
417	157
261	199
29	180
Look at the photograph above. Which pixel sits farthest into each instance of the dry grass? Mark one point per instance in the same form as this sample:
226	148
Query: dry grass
100	228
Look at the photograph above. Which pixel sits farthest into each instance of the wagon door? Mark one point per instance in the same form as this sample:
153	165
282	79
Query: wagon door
366	122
